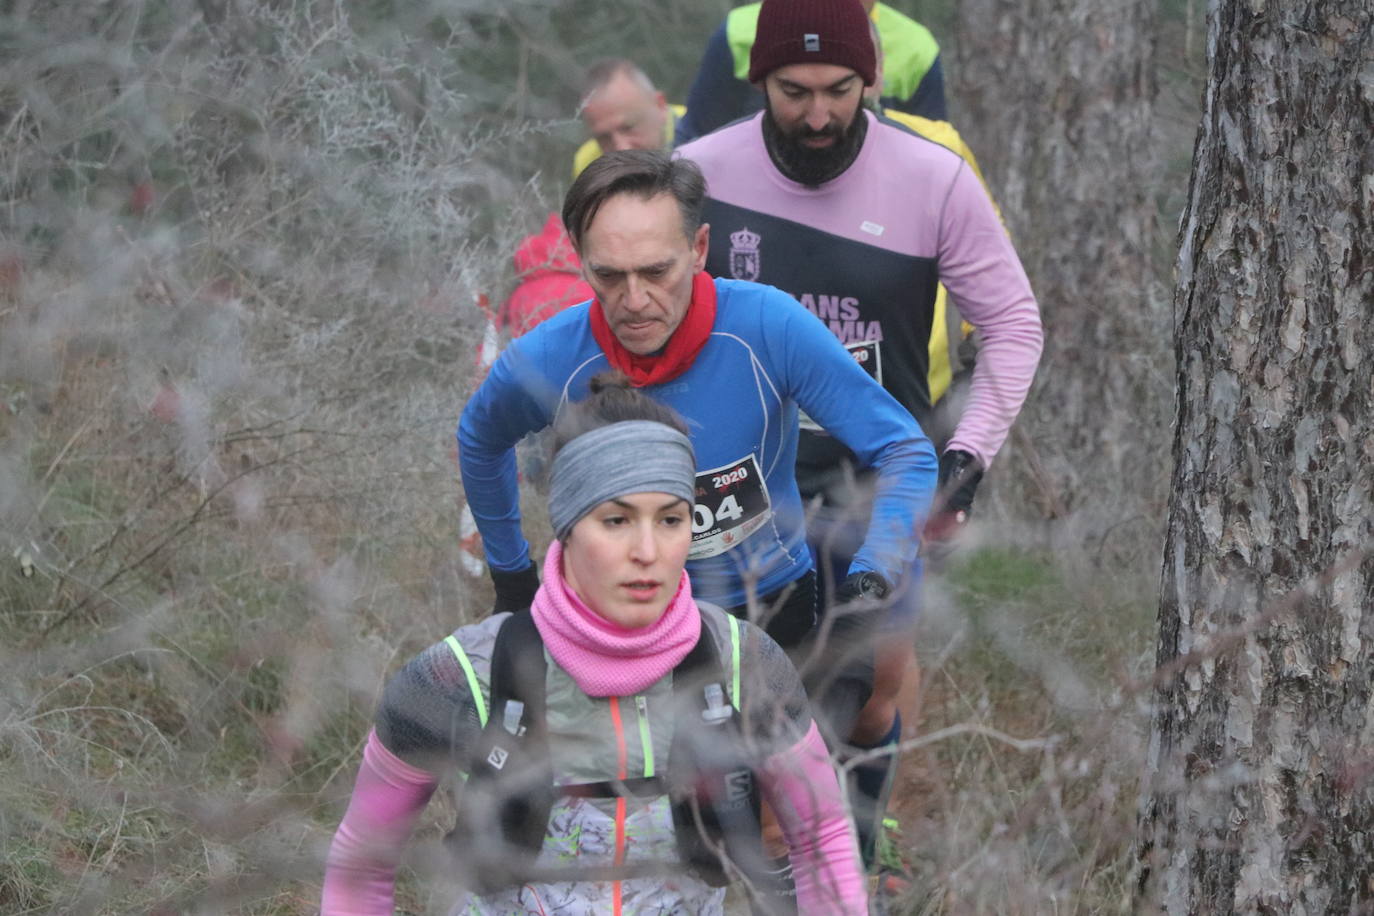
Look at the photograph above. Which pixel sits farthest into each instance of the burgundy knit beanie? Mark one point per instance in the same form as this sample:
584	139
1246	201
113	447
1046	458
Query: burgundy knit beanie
812	32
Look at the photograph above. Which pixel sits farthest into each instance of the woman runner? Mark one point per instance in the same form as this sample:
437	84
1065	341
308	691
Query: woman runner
659	715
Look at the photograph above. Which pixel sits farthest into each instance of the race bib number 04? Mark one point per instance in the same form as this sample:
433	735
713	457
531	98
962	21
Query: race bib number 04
731	504
869	357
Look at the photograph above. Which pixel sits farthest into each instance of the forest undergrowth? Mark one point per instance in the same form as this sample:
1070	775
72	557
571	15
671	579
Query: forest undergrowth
246	253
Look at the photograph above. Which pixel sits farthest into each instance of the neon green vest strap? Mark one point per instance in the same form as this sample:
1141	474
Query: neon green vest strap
741	25
478	700
909	50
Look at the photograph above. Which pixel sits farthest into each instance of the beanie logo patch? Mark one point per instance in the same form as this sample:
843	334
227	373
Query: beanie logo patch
811	41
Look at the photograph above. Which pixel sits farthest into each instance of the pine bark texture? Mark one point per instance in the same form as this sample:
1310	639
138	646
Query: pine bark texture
1260	796
1056	98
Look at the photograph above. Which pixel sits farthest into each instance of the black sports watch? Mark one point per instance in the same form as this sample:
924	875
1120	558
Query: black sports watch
871	585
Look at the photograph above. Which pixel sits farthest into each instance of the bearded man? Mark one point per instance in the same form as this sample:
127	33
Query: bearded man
860	218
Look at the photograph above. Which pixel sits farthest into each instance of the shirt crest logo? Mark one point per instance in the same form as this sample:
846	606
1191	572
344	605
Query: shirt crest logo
744	255
811	41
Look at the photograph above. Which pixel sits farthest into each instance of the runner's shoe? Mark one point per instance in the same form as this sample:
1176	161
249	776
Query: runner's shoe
893	885
893	894
889	855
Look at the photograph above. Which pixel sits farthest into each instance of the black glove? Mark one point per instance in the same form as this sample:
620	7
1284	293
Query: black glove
861	604
515	588
866	588
839	676
960	474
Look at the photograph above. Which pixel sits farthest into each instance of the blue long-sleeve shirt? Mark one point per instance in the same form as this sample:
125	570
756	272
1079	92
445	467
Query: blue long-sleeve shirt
766	358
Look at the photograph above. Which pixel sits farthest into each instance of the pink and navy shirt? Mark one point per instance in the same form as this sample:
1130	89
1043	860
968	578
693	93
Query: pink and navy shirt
864	252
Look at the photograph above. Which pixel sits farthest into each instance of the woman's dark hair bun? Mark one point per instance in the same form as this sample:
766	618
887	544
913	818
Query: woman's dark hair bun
612	399
610	380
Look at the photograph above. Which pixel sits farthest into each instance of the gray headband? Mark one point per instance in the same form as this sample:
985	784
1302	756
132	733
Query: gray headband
635	456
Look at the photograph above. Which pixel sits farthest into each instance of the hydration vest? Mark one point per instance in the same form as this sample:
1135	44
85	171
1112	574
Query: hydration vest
504	810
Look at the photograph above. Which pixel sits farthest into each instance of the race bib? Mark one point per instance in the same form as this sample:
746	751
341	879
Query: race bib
731	504
869	357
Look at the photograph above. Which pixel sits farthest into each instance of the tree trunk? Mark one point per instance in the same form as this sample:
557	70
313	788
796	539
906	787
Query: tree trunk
1262	747
1056	98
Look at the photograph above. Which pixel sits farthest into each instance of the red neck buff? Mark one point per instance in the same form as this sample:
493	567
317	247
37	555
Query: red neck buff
677	354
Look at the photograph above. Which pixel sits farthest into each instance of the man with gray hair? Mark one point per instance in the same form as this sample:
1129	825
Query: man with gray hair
622	109
737	360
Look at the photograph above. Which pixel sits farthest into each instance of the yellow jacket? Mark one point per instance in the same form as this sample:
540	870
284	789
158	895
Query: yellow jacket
943	133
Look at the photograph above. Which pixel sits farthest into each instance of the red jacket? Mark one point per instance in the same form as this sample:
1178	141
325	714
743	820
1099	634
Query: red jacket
549	279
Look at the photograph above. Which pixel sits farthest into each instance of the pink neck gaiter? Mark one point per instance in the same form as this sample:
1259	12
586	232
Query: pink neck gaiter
604	658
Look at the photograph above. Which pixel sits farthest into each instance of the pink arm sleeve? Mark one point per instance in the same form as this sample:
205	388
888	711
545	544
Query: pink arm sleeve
979	267
804	793
360	873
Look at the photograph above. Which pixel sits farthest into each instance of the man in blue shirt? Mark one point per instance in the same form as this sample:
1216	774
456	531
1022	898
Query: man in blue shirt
738	361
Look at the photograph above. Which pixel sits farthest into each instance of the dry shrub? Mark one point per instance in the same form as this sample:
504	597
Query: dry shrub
241	250
1028	739
1019	785
239	318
